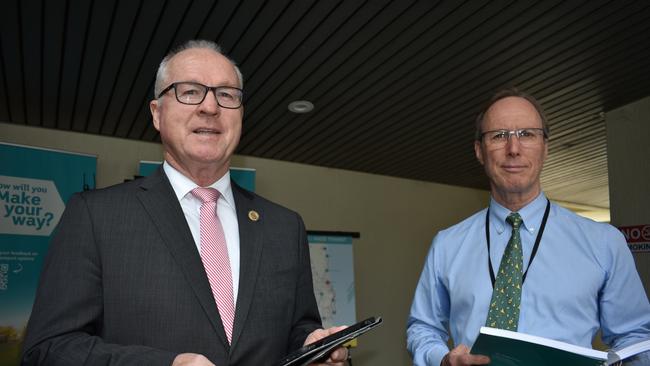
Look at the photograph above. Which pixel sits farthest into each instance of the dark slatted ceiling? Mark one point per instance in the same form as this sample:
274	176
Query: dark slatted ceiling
396	84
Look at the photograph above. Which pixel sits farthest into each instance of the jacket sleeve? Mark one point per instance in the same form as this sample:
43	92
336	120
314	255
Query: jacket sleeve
306	317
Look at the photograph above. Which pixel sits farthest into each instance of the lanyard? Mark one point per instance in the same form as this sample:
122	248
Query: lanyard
537	240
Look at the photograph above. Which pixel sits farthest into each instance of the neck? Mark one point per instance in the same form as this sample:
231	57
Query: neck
202	175
514	201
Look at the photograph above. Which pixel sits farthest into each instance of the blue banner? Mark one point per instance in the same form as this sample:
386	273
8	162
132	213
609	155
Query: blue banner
35	183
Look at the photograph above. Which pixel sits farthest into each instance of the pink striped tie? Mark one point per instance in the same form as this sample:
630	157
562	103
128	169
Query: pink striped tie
214	254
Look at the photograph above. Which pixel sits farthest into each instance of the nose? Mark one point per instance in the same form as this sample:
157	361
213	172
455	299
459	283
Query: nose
513	145
209	104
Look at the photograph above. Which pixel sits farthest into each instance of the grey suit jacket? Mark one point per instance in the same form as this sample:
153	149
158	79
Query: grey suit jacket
123	284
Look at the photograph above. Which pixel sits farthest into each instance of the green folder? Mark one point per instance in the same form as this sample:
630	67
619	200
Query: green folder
506	348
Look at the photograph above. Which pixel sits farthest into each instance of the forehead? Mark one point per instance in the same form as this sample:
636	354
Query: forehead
202	65
512	113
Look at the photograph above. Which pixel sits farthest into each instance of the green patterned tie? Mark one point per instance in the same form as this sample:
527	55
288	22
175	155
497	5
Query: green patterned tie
506	296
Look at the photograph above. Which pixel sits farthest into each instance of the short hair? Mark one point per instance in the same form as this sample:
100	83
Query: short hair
161	74
511	92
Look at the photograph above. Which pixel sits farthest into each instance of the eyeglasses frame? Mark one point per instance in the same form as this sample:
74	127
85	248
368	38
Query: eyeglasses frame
207	90
517	132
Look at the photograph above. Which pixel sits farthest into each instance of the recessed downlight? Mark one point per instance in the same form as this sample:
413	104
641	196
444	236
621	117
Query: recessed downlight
301	106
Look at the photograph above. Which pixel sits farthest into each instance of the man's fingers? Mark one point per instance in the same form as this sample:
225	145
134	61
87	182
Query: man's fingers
474	359
339	355
322	333
460	356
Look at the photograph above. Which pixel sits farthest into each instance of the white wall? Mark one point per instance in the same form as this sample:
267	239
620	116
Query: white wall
396	218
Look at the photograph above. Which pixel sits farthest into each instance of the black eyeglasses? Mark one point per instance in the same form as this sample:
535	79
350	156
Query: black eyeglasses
188	92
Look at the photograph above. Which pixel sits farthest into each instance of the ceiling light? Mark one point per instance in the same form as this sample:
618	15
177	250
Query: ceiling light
301	106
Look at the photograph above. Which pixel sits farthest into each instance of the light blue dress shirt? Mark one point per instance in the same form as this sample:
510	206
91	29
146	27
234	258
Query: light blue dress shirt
582	278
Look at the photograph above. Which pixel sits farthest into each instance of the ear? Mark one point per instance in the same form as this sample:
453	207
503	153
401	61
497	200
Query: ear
154	107
479	152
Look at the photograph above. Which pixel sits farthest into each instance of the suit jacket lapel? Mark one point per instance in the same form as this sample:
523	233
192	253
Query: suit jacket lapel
250	247
159	200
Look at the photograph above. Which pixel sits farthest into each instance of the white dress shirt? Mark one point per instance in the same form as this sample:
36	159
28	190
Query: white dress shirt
226	211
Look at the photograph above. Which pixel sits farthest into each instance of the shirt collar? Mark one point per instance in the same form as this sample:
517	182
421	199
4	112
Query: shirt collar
182	185
531	214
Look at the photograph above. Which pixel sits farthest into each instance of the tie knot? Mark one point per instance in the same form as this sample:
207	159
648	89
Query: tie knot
515	220
206	194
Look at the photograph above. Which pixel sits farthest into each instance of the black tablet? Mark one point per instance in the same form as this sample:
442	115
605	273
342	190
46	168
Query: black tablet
320	350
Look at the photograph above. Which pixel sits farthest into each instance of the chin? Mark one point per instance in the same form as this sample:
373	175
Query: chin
209	154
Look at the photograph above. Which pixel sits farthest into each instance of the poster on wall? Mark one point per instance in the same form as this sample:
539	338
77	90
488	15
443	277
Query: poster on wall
245	177
332	269
637	237
35	184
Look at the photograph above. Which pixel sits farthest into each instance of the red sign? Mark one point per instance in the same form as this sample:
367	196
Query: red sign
636	234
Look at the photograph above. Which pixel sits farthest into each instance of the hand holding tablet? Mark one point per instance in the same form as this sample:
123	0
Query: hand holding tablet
320	350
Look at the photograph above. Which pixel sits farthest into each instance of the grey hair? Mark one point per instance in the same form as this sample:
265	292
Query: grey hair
161	74
511	92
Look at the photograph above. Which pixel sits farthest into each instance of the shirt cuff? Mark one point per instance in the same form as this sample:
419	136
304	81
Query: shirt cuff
435	355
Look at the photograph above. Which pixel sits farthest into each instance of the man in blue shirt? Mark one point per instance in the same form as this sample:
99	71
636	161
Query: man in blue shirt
579	278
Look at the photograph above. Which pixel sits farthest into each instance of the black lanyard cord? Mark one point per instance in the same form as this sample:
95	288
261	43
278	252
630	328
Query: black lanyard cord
535	247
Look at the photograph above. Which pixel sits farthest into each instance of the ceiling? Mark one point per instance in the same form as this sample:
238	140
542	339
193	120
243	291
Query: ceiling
396	84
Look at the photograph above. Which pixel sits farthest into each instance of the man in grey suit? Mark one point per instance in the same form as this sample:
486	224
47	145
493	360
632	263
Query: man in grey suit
124	281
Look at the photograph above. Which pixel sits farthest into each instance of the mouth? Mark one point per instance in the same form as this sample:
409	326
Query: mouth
513	168
206	131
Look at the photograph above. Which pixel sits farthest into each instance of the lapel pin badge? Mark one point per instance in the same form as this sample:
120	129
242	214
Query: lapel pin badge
253	215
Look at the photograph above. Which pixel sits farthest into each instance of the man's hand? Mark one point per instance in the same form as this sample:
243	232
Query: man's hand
339	355
460	356
191	359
